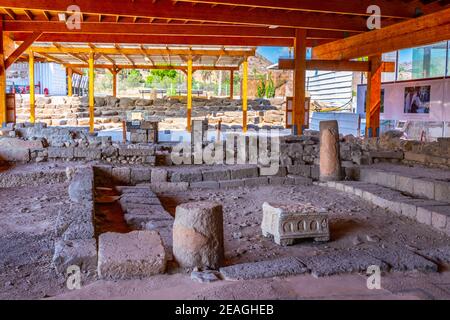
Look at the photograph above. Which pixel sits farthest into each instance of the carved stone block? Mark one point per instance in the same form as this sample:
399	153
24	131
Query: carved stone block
288	222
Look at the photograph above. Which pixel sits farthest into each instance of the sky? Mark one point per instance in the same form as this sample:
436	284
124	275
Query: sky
274	53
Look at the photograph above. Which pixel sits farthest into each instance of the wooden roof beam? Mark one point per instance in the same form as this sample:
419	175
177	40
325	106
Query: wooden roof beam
425	30
10	13
159	29
29	14
394	9
123	54
163	9
127	51
21	49
151	67
146	55
173	40
335	65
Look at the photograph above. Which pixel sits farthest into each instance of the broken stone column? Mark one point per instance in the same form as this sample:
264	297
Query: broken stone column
198	235
330	164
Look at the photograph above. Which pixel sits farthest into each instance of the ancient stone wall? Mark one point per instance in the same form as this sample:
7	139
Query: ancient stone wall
110	111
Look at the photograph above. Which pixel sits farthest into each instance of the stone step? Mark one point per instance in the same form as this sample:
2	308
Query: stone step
429	212
252	182
433	184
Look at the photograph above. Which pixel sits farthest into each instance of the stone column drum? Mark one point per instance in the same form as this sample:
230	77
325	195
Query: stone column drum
330	164
198	235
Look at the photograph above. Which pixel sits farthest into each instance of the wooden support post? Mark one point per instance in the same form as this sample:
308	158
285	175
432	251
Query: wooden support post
2	79
189	94
69	82
124	132
244	94
299	81
91	92
373	97
231	84
114	82
31	82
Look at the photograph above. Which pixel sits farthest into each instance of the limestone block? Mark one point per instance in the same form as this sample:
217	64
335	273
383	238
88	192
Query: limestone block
404	184
82	253
205	185
256	182
15	149
198	235
264	269
231	183
139	175
386	179
169	186
158	175
131	152
122	175
58	152
81	188
442	191
243	172
137	254
424	215
88	153
423	188
288	222
186	176
216	174
330	165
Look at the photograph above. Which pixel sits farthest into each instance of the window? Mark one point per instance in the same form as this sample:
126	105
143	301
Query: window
422	62
389	57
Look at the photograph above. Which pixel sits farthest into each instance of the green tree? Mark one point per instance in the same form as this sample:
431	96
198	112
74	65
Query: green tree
270	89
134	78
261	89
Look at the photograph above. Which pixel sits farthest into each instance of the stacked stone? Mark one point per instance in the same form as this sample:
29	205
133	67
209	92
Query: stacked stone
76	244
143	131
110	111
143	211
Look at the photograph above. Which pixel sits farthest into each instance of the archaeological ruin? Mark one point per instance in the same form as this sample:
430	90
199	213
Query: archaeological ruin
161	151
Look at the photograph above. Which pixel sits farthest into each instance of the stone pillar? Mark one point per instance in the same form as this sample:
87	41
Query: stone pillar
198	235
330	164
199	139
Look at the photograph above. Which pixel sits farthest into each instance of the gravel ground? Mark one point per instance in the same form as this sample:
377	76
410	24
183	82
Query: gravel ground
27	219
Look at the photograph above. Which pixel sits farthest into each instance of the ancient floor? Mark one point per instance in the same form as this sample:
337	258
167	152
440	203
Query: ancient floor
27	220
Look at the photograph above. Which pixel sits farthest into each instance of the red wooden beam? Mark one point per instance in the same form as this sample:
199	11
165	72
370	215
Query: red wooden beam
395	9
185	11
156	29
218	30
27	42
187	40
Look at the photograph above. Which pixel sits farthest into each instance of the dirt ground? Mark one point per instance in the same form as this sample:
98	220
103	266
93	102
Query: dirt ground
27	219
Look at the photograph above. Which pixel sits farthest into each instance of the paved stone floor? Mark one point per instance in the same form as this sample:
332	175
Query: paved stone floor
358	229
395	286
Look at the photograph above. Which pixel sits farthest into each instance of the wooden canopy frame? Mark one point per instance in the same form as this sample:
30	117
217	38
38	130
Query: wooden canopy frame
336	29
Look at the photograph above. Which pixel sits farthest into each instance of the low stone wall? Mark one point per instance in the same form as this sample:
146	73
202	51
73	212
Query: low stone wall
38	143
298	155
110	111
75	230
10	179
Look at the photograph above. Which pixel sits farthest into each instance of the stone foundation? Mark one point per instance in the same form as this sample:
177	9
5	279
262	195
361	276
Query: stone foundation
110	111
